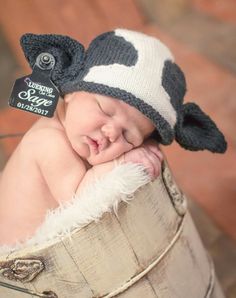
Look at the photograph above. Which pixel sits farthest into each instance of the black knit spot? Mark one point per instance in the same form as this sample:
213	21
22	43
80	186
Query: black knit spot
108	49
173	81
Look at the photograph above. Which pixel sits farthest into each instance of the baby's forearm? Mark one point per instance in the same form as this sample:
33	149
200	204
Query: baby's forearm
98	171
149	155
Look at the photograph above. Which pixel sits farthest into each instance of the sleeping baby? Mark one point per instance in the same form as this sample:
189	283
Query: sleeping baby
119	99
54	159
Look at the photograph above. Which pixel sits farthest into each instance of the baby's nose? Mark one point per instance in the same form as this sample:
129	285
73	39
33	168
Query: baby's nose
112	131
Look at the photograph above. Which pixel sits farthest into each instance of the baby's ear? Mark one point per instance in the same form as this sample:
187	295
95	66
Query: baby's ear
196	131
67	97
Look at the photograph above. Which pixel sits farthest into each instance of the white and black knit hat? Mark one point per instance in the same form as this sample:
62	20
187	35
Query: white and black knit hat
137	69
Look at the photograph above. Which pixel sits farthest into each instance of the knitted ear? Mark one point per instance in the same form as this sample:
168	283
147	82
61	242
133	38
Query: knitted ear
196	131
68	53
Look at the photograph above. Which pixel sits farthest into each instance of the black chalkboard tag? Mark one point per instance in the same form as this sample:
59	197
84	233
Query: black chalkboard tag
36	93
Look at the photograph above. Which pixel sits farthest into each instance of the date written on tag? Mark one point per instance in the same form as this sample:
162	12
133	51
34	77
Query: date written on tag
32	109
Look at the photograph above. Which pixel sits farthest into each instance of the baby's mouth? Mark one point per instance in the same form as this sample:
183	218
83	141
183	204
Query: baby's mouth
93	144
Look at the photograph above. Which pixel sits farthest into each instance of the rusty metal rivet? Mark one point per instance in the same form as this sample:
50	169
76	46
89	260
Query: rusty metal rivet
24	270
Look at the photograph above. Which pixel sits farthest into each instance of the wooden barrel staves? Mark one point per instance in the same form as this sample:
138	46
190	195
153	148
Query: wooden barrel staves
150	248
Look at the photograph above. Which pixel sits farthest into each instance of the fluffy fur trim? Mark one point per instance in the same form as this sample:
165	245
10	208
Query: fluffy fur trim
102	196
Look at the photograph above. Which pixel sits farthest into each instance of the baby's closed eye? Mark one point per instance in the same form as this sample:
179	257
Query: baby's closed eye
128	137
109	112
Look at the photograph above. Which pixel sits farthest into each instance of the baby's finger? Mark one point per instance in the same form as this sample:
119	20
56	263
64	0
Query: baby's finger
155	149
155	164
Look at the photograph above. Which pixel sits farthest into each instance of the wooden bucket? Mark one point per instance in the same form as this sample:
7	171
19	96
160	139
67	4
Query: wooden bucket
151	249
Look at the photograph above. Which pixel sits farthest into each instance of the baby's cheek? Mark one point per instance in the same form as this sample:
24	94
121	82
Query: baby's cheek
117	150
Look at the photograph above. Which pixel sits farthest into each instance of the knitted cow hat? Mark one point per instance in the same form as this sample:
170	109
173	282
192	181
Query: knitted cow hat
136	68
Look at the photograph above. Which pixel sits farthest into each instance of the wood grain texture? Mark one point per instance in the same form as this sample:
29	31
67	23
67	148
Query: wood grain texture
104	256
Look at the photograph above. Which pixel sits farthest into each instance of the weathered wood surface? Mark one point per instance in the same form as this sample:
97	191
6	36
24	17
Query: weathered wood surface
103	257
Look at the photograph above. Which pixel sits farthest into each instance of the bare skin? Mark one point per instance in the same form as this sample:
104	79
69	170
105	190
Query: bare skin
58	156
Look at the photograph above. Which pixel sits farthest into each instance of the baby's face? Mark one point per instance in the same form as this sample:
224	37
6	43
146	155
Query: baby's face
101	128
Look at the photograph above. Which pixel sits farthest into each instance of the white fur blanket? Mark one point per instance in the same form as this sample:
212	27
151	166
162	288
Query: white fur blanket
102	196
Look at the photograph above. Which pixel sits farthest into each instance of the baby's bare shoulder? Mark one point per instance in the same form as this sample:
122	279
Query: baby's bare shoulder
50	147
43	142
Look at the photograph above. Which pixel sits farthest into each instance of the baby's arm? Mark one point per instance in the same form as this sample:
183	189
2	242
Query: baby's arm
62	169
148	154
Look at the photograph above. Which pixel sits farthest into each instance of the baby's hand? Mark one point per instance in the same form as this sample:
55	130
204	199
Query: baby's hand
148	154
